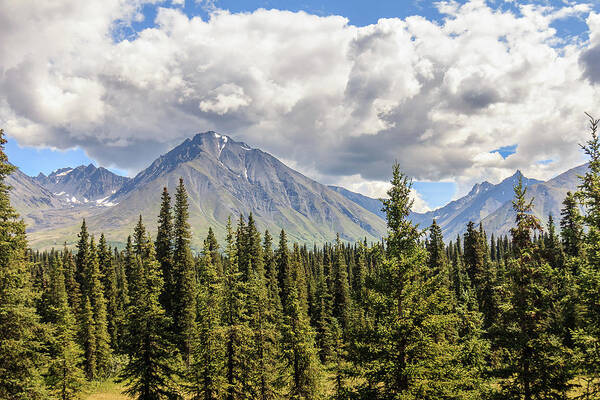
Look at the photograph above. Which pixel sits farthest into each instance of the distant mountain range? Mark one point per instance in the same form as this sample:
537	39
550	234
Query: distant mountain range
484	199
491	204
226	178
223	178
82	184
548	197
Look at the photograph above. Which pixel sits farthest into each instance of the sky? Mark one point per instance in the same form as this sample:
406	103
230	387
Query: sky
456	92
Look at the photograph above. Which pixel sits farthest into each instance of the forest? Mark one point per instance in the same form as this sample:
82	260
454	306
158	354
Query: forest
257	317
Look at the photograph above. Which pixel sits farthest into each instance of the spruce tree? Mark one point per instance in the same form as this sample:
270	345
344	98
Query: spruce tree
20	353
303	365
587	337
108	275
571	227
122	304
253	248
341	291
589	195
360	274
435	249
64	376
474	257
88	339
282	258
164	252
272	281
213	248
536	364
82	259
412	346
263	322
150	372
183	262
235	323
103	356
71	285
206	378
553	252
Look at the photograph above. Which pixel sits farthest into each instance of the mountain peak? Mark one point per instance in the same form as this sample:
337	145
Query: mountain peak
83	183
479	188
513	179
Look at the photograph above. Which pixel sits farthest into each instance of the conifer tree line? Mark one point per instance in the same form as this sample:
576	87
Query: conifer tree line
257	317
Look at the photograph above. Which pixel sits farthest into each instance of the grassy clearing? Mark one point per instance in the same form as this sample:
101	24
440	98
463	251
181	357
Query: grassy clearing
107	390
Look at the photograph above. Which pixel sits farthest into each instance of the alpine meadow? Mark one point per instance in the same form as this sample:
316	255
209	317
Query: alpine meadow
220	200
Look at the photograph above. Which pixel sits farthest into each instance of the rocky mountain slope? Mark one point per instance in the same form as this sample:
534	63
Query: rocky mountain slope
547	199
492	204
27	195
82	184
225	178
483	199
368	203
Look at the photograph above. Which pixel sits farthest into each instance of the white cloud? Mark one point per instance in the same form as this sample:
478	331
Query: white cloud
225	98
342	102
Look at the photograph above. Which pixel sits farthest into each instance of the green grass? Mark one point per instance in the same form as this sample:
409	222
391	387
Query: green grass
110	390
107	390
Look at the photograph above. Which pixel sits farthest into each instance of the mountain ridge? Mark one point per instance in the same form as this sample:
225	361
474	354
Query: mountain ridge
82	184
224	178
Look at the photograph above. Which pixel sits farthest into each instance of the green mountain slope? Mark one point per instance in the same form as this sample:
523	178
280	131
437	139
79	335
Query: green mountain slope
225	178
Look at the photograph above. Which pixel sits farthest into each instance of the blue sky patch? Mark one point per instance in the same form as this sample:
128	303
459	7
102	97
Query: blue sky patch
436	194
506	151
32	160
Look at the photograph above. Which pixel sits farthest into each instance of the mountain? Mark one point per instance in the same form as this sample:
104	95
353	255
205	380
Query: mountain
547	199
27	195
39	207
224	178
82	184
483	199
368	203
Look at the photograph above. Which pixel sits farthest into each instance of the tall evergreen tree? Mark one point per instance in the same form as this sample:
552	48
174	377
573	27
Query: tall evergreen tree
536	362
164	252
183	261
587	338
253	248
436	260
282	258
82	259
122	303
360	274
20	353
102	356
65	377
108	275
299	349
150	372
341	291
474	256
412	343
71	285
206	378
553	252
571	227
235	321
263	322
213	247
272	281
